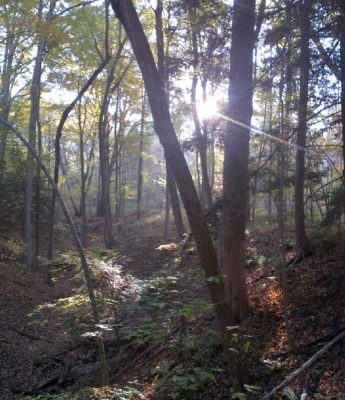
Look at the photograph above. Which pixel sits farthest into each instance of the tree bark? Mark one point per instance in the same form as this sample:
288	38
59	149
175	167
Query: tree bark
30	261
104	160
236	156
83	177
167	207
126	13
5	97
172	198
140	158
342	77
301	235
206	194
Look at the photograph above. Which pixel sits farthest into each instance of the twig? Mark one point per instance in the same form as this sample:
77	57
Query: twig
305	366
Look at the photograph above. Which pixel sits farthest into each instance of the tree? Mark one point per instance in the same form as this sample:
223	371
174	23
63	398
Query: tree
342	76
301	235
126	13
5	94
236	155
206	194
33	124
172	198
84	263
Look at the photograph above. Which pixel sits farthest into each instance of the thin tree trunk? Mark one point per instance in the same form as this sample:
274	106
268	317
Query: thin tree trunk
301	235
83	178
175	203
5	97
38	197
30	261
86	269
167	209
285	114
104	161
270	126
58	136
342	76
206	194
140	159
64	169
172	200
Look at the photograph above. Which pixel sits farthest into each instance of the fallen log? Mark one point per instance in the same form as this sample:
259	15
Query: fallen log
305	366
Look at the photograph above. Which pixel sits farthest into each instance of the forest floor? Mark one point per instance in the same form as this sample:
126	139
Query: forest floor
159	332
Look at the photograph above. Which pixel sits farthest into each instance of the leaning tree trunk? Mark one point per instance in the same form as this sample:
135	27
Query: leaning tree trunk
126	13
84	264
236	156
301	235
57	146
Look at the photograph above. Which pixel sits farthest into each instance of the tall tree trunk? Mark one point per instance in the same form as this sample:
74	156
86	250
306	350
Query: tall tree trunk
103	132
83	178
175	203
140	158
30	261
236	155
301	235
104	160
117	180
125	11
167	208
5	97
172	199
342	76
285	113
38	196
64	169
206	194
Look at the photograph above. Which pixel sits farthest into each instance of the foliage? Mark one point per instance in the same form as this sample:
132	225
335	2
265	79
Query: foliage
324	239
72	311
179	381
245	394
11	250
336	205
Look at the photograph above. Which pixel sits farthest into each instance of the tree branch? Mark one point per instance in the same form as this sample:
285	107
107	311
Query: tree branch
305	366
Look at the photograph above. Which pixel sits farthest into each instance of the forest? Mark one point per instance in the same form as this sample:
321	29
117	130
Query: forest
172	199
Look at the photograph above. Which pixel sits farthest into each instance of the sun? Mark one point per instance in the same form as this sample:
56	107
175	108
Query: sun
208	109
